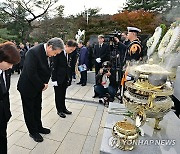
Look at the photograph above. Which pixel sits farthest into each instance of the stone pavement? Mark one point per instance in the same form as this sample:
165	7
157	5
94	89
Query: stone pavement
77	92
79	133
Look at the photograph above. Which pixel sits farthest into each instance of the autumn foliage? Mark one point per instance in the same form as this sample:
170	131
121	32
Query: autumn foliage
145	20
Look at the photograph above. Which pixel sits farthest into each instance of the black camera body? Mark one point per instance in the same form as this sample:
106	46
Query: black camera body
106	67
105	70
113	35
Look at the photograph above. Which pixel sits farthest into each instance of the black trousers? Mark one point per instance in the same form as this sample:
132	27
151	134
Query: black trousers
97	67
83	77
3	137
60	95
32	112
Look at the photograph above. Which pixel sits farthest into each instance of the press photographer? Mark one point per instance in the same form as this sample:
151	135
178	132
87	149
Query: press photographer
106	83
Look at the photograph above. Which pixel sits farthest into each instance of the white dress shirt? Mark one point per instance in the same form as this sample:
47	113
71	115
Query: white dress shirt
100	45
66	55
45	48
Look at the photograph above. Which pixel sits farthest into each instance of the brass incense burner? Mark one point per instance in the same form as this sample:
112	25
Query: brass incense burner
146	100
126	134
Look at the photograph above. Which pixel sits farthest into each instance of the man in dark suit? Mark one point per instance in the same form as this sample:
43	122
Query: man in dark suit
60	77
72	61
9	55
83	60
101	52
90	56
33	80
27	46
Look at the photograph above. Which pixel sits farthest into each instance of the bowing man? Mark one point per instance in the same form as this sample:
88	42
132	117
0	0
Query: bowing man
33	80
60	77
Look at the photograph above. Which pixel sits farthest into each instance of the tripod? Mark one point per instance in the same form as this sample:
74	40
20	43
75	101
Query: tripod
117	66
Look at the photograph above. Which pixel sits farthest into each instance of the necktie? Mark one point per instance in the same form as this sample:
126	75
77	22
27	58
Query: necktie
49	62
66	57
3	87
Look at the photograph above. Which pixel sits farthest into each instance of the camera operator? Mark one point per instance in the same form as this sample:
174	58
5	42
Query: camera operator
121	48
106	82
132	49
124	38
118	55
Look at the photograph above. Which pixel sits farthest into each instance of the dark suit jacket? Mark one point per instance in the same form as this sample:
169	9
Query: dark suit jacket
73	58
36	72
60	70
122	53
103	52
83	57
5	112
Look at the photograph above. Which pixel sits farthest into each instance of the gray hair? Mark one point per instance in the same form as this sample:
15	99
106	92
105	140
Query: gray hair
57	43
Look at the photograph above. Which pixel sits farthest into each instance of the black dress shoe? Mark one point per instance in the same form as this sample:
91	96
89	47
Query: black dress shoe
44	131
36	137
79	83
95	95
101	101
83	84
61	114
67	112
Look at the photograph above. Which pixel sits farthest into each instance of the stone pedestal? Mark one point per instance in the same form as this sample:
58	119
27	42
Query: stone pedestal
91	77
169	133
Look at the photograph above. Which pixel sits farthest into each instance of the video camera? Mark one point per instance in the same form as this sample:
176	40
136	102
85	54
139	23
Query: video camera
113	35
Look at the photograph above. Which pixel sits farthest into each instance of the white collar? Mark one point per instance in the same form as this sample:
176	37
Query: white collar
65	53
1	71
45	48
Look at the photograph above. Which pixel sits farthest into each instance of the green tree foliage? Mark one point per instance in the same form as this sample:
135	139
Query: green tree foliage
20	26
147	5
97	23
161	6
2	40
19	15
49	27
91	12
6	35
67	27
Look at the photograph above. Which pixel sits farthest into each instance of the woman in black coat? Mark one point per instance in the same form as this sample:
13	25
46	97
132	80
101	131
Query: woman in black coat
9	56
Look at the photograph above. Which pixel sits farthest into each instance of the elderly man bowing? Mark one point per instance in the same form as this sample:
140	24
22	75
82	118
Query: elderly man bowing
33	80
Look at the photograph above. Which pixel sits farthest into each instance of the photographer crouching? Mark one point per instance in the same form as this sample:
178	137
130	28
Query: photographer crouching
106	86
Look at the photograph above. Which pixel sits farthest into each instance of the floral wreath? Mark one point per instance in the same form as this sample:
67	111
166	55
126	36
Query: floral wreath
170	40
153	41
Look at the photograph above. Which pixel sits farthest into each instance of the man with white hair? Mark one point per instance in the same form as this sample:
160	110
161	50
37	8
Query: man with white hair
33	80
